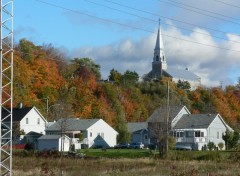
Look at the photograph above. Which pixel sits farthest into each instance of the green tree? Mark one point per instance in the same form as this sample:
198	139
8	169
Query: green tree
115	76
130	78
121	125
26	48
85	66
231	139
185	85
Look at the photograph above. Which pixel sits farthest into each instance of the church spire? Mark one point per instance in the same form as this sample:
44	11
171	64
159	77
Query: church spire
159	51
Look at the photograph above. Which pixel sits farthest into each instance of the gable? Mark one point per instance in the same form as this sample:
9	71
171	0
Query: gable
218	123
160	114
183	111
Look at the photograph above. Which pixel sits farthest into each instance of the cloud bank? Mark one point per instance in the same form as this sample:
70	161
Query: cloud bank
212	64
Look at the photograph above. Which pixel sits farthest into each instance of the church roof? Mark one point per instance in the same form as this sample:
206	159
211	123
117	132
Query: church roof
181	74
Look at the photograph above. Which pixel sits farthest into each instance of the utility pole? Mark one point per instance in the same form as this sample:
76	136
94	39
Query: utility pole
167	120
6	86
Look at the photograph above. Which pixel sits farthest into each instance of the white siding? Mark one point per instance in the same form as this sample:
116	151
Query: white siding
54	144
104	130
215	131
36	123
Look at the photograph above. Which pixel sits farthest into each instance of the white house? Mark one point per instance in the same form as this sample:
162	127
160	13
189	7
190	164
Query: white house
29	119
194	131
157	122
93	132
54	142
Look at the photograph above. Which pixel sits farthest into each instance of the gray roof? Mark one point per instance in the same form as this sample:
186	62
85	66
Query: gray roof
160	114
49	137
195	121
72	124
182	74
136	126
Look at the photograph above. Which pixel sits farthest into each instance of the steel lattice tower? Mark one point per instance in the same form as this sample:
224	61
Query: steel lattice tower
6	86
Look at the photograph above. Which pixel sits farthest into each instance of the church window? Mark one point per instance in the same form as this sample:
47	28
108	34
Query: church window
157	58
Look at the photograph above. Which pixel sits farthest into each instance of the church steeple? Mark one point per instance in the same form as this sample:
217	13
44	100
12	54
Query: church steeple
159	55
159	61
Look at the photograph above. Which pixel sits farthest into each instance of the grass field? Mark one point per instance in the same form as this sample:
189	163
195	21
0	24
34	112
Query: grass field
127	162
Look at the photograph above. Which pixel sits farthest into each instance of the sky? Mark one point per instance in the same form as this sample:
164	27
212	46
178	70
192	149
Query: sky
203	36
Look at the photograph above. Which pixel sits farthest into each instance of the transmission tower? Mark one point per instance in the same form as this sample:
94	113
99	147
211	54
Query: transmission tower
6	86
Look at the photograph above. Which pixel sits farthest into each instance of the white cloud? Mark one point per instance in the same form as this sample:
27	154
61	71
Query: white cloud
210	63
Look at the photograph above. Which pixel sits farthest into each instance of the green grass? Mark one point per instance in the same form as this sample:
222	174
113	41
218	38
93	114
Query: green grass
116	153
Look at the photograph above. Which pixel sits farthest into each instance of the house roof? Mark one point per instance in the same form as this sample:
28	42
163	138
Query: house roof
50	137
160	114
136	126
195	121
17	113
183	74
72	124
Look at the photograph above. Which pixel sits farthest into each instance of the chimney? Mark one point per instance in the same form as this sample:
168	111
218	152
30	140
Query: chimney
20	105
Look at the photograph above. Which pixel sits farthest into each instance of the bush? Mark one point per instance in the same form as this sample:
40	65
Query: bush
211	146
29	146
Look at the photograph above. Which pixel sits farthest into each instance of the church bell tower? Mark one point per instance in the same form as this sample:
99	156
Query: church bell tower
159	61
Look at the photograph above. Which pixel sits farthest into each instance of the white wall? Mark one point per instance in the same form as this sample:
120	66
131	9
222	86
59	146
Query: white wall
53	144
216	130
33	125
104	130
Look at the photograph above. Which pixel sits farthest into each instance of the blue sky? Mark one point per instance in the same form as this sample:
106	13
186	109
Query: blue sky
122	34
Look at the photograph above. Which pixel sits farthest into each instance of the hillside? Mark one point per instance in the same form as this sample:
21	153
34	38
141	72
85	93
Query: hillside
73	89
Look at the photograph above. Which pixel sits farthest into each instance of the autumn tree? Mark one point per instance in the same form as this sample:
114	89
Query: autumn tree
84	66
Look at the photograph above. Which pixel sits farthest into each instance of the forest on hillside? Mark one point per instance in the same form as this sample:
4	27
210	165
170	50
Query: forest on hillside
61	87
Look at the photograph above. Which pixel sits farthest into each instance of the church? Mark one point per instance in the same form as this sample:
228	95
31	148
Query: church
160	67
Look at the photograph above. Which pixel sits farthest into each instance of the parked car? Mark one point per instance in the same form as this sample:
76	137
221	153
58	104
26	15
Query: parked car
122	145
137	145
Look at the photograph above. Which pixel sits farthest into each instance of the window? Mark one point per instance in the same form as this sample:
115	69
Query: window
145	136
38	121
181	134
217	135
157	58
26	120
197	134
90	134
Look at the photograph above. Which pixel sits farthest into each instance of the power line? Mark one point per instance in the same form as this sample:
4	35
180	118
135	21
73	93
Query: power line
204	10
199	12
133	27
151	20
233	5
216	30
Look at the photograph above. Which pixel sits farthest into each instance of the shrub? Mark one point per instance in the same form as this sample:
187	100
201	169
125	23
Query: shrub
211	146
29	146
220	145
